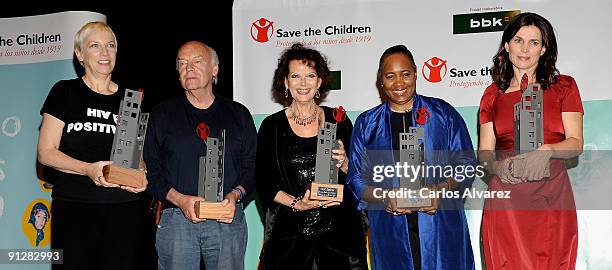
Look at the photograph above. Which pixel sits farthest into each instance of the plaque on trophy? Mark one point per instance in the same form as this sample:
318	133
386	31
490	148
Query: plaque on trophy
411	153
325	186
528	126
126	153
210	181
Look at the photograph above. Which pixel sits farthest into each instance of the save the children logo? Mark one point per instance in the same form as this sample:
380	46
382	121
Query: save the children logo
434	69
262	30
339	114
36	223
202	130
421	116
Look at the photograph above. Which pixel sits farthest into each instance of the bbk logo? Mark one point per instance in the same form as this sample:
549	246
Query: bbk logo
262	30
486	22
482	22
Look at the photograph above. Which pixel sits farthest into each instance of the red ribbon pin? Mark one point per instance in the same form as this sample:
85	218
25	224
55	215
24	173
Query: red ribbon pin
202	130
339	114
524	82
421	116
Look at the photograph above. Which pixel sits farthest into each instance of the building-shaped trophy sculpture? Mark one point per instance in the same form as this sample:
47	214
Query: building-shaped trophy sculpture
411	153
210	180
528	126
325	186
129	138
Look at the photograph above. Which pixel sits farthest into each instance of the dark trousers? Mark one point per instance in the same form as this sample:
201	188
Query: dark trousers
415	243
97	236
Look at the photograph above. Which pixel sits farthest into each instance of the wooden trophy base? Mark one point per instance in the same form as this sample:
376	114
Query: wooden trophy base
124	176
326	192
519	164
415	202
208	210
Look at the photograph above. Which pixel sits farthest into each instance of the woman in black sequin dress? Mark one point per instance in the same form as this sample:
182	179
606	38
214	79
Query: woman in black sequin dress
301	233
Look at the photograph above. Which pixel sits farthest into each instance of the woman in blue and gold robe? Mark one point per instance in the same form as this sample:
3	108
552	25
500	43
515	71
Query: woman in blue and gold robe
435	237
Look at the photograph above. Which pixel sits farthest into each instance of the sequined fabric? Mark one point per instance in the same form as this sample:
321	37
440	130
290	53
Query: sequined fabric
331	238
300	159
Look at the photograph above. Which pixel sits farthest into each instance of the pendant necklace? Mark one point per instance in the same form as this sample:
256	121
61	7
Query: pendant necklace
303	121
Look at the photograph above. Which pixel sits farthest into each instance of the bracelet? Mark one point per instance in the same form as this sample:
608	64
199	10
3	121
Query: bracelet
343	161
241	194
294	202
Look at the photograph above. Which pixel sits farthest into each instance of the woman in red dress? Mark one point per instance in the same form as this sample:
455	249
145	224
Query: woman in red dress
537	228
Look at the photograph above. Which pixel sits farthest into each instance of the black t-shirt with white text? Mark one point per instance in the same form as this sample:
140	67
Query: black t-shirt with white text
89	127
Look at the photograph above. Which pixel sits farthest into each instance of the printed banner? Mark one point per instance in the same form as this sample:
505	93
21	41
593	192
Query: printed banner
453	43
35	53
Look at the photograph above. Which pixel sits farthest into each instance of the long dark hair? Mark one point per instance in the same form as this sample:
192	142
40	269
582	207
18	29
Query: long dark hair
546	72
308	56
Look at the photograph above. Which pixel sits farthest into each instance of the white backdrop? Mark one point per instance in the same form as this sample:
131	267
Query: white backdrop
427	29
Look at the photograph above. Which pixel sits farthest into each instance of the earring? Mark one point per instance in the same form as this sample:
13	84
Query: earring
286	92
317	94
214	79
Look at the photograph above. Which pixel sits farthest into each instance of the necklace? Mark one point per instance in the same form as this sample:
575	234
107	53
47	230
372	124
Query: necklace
303	121
404	117
403	111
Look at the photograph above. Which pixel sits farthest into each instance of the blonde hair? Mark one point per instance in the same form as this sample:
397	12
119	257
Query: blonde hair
86	29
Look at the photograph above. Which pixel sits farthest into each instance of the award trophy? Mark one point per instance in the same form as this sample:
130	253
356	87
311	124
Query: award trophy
210	181
129	137
411	151
528	126
325	186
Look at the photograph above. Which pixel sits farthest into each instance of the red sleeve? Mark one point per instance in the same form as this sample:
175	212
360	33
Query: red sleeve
570	96
485	113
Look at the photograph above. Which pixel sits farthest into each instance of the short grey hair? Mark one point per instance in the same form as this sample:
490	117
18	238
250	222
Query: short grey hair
214	57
